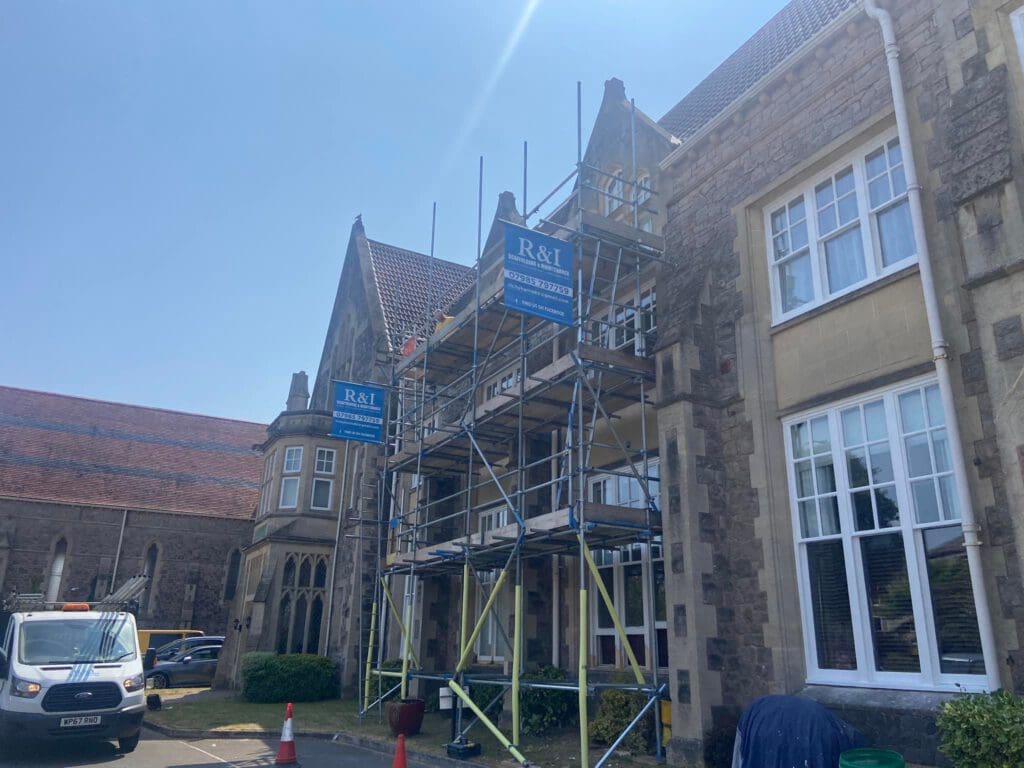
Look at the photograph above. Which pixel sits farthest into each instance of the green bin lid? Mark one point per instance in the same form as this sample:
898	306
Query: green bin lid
871	758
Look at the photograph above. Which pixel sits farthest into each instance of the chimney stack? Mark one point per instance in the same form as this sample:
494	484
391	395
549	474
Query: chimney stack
298	395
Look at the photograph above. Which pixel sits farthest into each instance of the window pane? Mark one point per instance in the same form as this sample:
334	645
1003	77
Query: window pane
895	153
874	416
857	467
659	590
604	619
795	284
830	605
847	209
798	235
633	581
606	649
878	191
662	647
912	411
892	616
940	446
829	508
896	234
888	508
926	506
636	642
853	431
825	474
289	491
919	460
844	260
321	494
808	519
804	480
881	463
936	415
801	440
780	244
956	623
778	221
863	513
823	195
797	213
844	182
876	164
950	503
819	435
899	181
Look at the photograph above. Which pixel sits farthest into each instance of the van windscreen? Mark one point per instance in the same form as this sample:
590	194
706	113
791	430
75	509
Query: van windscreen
77	641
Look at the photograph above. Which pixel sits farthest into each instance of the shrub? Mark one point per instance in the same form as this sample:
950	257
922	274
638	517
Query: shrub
271	678
983	730
543	710
617	710
482	693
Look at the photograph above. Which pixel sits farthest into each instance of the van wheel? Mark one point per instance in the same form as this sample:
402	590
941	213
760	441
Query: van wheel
128	743
160	681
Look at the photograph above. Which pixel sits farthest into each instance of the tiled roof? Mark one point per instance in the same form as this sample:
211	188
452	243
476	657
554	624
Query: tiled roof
790	28
407	280
80	451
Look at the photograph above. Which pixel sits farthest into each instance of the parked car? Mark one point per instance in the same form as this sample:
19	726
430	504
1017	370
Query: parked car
155	638
194	666
169	650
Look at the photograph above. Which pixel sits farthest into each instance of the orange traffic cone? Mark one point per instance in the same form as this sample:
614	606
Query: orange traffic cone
286	752
399	761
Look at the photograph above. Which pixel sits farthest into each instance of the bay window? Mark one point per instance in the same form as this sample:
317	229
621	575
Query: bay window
884	584
843	230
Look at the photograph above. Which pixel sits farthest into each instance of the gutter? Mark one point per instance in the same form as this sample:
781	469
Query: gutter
940	348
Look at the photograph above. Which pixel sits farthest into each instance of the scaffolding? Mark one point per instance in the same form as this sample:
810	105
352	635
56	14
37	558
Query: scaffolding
497	425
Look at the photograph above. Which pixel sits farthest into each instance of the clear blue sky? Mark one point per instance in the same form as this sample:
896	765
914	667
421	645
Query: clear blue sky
178	179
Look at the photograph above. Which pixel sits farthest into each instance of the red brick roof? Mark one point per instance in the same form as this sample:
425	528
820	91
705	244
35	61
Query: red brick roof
75	450
784	33
407	281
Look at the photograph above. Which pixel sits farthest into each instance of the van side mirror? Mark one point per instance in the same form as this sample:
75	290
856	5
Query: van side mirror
4	665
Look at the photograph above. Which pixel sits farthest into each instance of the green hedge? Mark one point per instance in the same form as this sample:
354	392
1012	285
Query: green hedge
616	711
545	710
983	730
271	678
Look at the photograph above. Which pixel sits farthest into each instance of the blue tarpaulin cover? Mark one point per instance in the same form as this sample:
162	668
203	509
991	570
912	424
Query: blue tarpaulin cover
791	732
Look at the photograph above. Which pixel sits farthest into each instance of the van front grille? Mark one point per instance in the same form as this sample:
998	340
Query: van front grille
81	697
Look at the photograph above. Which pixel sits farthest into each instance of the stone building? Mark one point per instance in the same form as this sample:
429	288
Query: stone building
817	507
304	563
92	493
830	423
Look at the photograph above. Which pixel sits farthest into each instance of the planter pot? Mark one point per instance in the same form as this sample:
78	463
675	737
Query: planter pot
405	716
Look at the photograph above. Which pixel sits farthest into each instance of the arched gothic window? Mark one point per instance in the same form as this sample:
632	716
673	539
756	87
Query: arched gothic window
300	618
231	582
56	574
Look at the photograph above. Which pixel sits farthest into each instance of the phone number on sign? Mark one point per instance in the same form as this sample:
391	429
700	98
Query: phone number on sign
535	282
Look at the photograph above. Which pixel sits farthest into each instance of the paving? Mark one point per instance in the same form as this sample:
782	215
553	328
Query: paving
157	751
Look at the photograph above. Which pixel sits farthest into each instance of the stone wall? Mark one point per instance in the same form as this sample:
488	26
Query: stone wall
192	565
734	618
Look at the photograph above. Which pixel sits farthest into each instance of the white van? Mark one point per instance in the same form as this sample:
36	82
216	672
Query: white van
72	672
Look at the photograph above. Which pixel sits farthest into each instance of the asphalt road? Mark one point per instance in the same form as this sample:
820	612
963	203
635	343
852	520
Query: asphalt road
155	751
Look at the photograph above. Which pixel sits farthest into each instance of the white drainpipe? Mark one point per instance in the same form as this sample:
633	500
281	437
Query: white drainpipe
940	348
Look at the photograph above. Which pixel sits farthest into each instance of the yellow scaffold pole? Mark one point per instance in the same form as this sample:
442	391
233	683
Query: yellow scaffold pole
369	657
398	620
461	693
615	616
584	732
517	643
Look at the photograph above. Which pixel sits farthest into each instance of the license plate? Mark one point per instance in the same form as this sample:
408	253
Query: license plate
75	722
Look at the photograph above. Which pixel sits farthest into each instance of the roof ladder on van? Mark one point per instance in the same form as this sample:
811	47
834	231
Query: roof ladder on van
120	600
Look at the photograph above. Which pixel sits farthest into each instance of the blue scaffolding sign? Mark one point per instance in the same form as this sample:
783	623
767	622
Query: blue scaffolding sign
538	274
358	412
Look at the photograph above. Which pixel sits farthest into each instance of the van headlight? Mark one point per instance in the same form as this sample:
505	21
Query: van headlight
24	689
135	683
